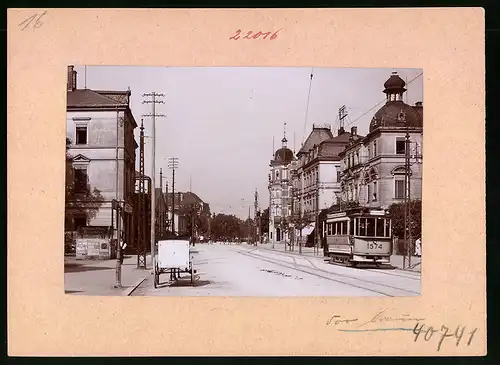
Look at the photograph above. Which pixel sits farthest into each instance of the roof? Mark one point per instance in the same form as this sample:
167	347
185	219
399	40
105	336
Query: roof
187	198
394	83
389	116
91	98
334	146
158	192
318	135
284	156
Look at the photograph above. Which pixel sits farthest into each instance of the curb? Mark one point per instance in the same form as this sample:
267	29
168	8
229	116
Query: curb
131	290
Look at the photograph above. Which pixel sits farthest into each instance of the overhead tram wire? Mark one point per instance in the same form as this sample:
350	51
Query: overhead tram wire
376	105
307	106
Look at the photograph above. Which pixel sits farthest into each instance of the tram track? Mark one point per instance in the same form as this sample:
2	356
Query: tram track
320	273
381	271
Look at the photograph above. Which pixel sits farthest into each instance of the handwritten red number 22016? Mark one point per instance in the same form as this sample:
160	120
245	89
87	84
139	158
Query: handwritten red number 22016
249	35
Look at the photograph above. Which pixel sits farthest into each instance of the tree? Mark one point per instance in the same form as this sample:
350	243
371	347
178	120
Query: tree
264	221
196	221
397	214
299	223
79	197
226	227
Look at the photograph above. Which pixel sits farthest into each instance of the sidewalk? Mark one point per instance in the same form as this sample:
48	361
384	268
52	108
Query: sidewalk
416	266
89	277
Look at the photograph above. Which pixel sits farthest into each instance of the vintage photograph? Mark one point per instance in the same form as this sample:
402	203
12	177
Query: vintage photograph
243	181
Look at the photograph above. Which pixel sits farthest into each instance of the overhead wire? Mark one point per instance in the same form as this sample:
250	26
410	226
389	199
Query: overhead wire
307	106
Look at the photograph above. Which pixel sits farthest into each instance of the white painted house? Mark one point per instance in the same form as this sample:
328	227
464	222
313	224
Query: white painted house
100	126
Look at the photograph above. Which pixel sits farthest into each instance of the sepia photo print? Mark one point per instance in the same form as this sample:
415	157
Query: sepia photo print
243	181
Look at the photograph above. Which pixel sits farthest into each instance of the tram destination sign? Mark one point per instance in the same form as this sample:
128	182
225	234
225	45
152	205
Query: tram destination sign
337	215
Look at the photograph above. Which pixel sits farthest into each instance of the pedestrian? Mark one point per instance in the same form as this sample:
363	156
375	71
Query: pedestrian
418	247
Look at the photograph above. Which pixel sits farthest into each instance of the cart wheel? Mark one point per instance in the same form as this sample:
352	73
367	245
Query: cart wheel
192	272
156	280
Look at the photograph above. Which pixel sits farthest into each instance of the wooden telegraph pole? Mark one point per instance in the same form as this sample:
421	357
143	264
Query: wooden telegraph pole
173	163
141	206
153	115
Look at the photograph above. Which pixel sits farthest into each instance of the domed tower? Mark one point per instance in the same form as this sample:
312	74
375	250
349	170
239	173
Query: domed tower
280	198
391	114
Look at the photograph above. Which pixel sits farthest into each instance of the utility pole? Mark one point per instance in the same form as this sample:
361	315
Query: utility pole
256	216
173	163
179	205
153	95
116	203
161	213
407	197
316	235
141	206
249	230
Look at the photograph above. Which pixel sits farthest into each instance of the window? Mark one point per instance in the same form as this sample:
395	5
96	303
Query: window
374	191
329	229
344	227
388	228
81	134
357	157
400	145
351	227
361	226
380	228
369	187
399	188
338	176
80	180
374	148
370	227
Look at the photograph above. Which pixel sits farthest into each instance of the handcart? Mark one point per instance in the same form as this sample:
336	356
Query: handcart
173	258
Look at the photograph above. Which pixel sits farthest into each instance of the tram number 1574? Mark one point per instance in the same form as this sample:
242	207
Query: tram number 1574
373	245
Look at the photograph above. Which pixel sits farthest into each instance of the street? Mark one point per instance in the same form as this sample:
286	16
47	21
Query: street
243	270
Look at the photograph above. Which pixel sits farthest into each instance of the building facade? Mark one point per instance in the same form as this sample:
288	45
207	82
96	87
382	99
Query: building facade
373	167
316	182
280	193
100	128
189	209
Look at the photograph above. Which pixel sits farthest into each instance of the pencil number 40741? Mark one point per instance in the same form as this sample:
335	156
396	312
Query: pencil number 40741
251	35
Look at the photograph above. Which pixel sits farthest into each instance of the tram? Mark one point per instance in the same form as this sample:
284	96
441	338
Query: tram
359	235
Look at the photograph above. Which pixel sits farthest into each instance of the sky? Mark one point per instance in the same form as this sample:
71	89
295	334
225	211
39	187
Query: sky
220	121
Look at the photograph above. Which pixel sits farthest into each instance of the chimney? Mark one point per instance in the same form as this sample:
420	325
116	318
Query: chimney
354	131
71	82
341	131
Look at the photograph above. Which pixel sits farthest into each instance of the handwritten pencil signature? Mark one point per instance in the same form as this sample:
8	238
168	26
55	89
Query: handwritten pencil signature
380	317
36	18
382	322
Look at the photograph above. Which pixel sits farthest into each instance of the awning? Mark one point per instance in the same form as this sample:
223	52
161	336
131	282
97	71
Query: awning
307	230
